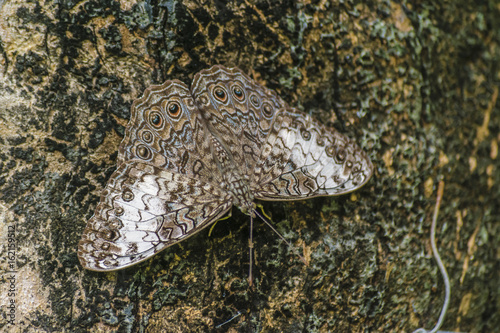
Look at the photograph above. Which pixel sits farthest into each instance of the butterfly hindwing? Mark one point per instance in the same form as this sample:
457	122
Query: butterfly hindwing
303	159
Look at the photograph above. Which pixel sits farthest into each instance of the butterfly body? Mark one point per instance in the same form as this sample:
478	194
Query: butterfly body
189	155
233	181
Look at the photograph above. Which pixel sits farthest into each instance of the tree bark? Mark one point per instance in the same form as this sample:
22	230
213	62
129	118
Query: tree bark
414	83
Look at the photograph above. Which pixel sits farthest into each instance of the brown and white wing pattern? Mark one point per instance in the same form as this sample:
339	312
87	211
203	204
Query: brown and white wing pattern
189	155
167	131
166	186
285	153
143	210
238	111
303	159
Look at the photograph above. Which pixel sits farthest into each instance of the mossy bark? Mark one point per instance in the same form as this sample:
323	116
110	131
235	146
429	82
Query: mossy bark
416	84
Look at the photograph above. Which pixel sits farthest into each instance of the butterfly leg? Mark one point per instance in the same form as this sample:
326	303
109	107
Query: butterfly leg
221	219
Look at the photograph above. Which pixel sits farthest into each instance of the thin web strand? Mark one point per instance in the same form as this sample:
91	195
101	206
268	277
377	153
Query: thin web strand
229	320
440	264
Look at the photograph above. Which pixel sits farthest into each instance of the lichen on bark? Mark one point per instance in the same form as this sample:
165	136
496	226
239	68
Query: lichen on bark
416	84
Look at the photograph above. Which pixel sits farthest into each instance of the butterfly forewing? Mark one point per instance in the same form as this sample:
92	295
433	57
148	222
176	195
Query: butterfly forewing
237	110
145	209
166	130
165	189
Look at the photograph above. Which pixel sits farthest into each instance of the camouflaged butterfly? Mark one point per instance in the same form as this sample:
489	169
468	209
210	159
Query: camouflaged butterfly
189	155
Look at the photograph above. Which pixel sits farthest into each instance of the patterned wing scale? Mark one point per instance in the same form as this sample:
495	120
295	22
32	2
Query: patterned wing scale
303	159
187	157
165	188
237	110
287	155
143	210
166	130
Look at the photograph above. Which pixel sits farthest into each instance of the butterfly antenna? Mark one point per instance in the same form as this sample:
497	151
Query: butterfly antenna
250	247
294	249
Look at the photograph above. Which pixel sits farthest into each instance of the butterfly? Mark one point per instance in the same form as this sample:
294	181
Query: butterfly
190	154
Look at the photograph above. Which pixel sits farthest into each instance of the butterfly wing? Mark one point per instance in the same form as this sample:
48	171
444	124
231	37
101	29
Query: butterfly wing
303	159
167	131
144	210
238	111
286	153
166	186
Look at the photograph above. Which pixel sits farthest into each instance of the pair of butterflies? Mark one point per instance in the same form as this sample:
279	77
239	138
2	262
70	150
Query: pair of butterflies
189	155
